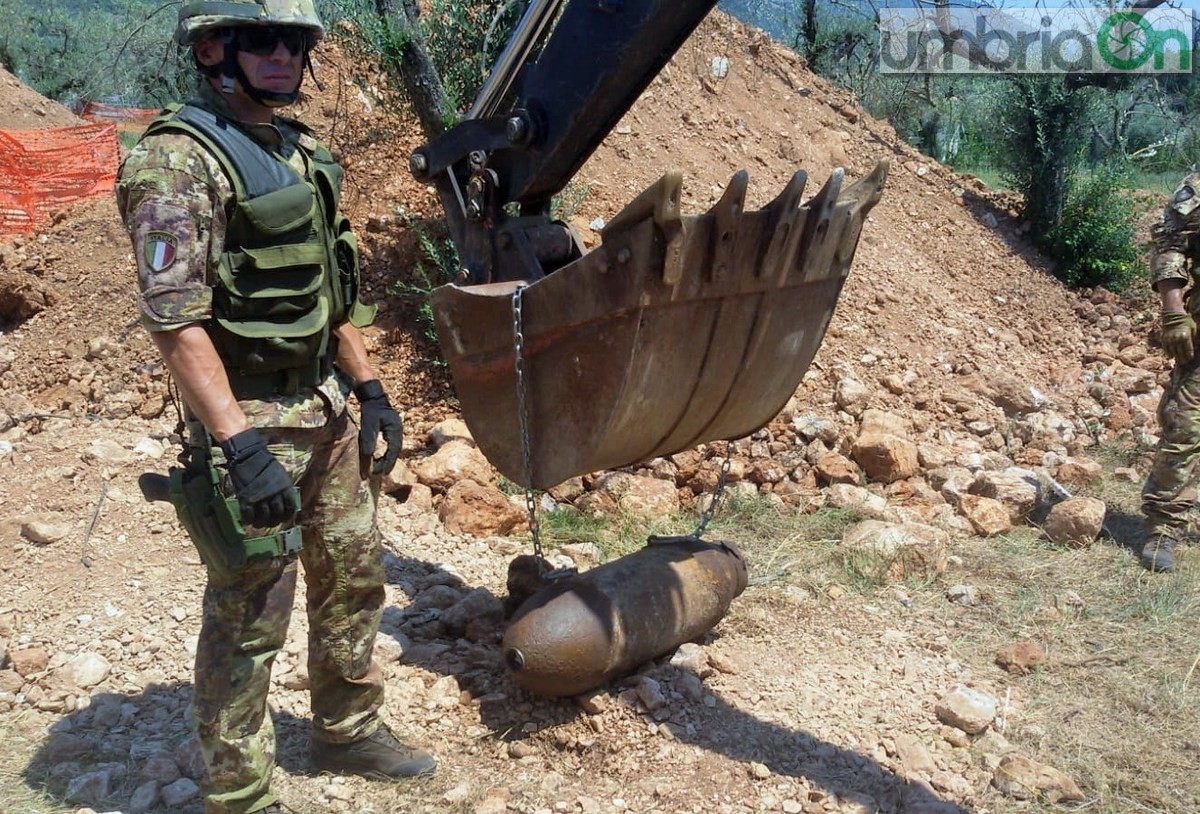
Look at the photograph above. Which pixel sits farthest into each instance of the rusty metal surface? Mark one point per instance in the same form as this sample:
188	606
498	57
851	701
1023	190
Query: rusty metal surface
582	631
675	331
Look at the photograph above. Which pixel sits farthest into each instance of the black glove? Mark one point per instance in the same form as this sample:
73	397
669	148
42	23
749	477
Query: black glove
262	486
378	417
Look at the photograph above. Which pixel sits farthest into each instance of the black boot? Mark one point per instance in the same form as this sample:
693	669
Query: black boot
1159	554
380	755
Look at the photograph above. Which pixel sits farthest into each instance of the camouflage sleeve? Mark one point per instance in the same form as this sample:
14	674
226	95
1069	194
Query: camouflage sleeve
172	194
1175	233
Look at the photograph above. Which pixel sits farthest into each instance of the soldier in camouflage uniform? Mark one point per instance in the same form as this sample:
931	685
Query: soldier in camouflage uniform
1170	489
248	282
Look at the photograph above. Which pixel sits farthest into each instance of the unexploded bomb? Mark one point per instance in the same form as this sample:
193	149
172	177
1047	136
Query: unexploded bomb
579	632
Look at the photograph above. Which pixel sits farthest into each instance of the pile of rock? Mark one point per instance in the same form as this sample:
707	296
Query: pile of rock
911	491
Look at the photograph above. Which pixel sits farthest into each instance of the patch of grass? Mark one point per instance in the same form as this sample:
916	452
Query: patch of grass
744	518
991	176
566	203
16	796
1163	183
1020	542
1113	703
1117	706
866	571
568	525
128	138
1025	601
1160	600
1117	455
614	535
780	545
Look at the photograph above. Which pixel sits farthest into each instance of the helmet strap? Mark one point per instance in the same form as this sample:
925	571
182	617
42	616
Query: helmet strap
229	65
266	98
309	67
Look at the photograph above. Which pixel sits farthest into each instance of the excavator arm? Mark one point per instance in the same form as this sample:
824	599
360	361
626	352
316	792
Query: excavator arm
536	121
677	329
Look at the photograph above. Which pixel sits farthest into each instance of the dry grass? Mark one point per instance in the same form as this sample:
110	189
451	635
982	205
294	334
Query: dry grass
16	796
1118	705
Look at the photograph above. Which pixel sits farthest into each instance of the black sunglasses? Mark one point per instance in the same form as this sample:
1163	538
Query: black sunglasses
263	40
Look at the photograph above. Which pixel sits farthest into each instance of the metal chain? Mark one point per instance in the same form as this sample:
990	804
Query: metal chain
707	515
523	416
527	448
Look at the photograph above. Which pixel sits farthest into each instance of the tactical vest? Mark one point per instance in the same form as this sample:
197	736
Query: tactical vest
289	271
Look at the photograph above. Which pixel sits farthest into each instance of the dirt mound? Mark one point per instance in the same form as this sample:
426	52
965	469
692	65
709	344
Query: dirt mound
944	284
23	108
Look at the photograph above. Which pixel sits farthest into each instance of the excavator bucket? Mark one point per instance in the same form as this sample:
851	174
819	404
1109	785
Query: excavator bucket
676	330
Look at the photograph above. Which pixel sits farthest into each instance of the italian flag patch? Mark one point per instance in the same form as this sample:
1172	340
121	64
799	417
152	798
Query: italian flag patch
160	250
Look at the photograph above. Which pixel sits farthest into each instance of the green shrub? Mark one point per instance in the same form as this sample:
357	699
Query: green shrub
1042	130
434	265
117	52
1094	243
465	37
446	47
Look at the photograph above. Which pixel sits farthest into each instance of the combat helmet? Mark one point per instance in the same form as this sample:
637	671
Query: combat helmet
198	17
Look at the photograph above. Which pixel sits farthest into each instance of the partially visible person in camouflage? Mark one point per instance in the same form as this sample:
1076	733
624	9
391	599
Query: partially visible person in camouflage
1170	489
248	278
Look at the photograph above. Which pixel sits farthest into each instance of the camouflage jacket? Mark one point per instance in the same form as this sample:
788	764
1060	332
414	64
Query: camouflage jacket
173	197
1176	235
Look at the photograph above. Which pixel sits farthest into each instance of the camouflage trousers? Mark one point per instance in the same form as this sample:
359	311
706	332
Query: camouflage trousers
246	620
1170	489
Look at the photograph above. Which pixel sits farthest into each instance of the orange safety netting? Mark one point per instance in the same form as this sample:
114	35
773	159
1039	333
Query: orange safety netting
45	170
100	112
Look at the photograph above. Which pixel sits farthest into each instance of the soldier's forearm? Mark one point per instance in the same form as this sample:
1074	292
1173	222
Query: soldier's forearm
193	361
1170	295
352	357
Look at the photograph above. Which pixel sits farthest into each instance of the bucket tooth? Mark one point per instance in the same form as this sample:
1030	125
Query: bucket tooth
861	195
821	237
787	221
660	202
727	217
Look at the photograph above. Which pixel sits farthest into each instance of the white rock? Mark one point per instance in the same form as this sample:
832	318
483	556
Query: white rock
88	669
41	532
107	451
91	787
852	396
691	657
458	794
650	693
149	448
968	709
161	769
